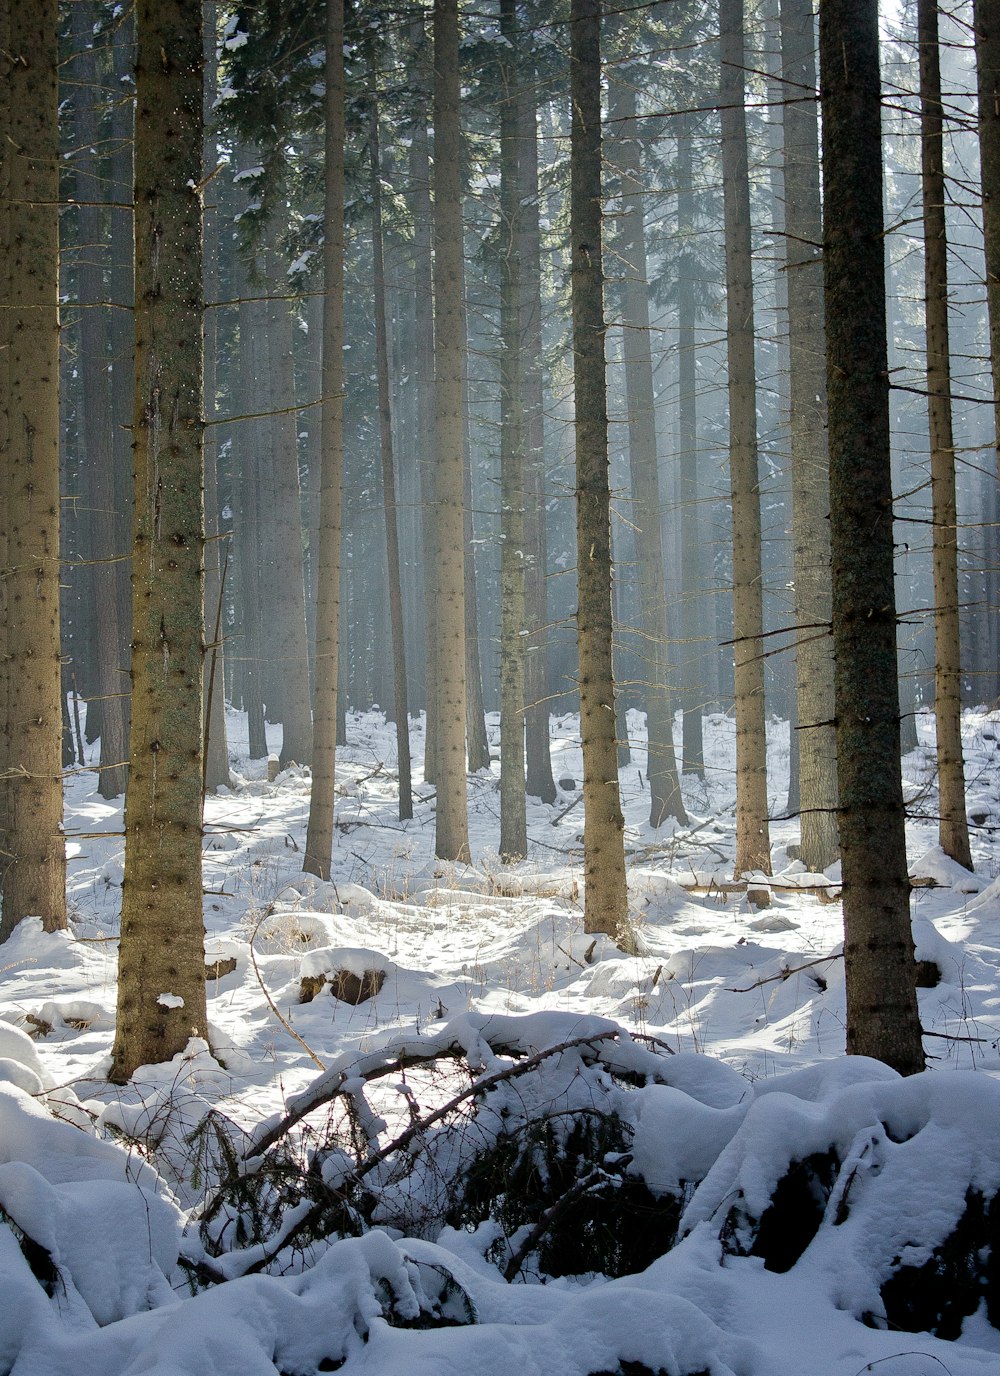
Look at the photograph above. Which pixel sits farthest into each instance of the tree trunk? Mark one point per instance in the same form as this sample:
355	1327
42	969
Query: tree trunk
987	25
953	827
753	847
35	879
661	764
814	729
694	689
513	812
539	780
606	893
319	835
290	648
452	826
882	1018
161	963
400	706
216	762
248	534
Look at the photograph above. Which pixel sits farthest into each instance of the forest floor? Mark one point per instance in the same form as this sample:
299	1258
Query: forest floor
745	1009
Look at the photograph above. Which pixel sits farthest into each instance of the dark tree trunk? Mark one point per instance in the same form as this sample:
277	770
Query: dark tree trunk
882	1018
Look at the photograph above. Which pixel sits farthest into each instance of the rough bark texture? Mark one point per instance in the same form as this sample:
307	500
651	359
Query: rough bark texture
753	847
880	972
513	632
161	960
400	706
953	830
319	833
452	824
661	765
606	894
814	732
987	25
34	881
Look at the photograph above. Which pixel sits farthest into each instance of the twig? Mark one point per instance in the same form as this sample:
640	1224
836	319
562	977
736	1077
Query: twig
274	1007
784	974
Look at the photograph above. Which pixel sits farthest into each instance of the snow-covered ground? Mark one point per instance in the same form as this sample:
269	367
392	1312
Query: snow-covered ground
734	1015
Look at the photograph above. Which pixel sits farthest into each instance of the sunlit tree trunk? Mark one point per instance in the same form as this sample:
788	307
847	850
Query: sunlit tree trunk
161	965
953	827
35	878
987	25
452	826
753	847
813	729
319	833
606	893
882	1018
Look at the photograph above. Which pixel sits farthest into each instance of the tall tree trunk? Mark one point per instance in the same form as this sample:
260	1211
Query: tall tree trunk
216	763
35	879
539	780
987	25
814	730
248	534
513	812
319	835
953	826
661	766
882	1018
694	689
606	892
753	847
452	826
161	962
400	706
423	372
289	641
110	645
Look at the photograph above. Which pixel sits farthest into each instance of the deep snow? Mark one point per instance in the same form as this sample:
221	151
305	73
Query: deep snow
751	1000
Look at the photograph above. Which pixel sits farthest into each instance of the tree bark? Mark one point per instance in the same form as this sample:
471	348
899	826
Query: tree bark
753	847
161	965
986	20
880	974
606	893
35	878
814	730
452	827
953	827
319	834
